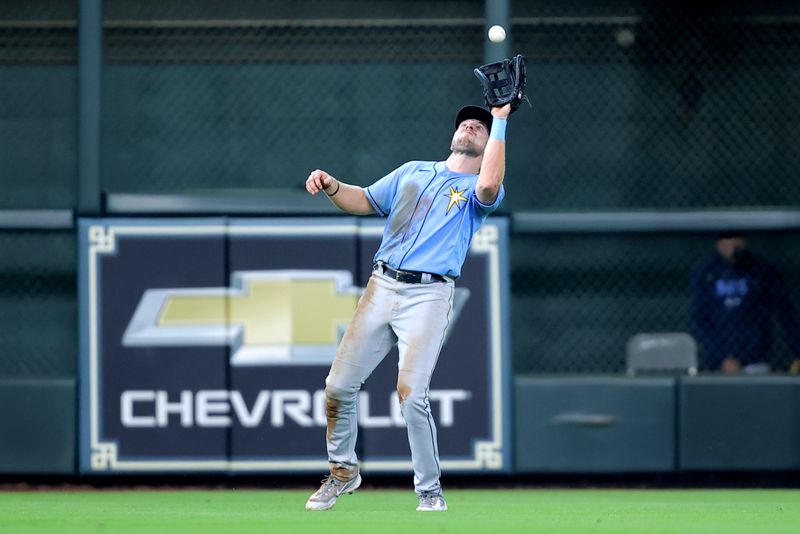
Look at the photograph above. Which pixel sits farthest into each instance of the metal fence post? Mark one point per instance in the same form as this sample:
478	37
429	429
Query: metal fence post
90	47
497	12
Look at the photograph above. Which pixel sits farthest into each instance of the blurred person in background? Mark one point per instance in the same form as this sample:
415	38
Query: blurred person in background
735	297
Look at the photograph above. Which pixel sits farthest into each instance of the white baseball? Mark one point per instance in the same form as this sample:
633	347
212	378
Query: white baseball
497	34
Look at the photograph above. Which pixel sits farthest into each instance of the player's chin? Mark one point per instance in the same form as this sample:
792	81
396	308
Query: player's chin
467	147
472	150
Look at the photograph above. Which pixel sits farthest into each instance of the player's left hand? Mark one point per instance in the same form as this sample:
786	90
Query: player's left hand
501	112
318	181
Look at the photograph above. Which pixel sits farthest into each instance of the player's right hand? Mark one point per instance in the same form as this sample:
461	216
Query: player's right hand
318	180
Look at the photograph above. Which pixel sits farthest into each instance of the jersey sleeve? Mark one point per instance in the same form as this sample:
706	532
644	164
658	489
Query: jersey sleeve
381	194
485	209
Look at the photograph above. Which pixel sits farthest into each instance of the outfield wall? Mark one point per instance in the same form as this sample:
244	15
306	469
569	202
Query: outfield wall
610	425
129	397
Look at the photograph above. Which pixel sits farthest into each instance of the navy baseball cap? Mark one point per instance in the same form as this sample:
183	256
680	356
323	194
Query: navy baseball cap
474	112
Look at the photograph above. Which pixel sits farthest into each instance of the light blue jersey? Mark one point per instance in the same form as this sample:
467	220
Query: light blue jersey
433	213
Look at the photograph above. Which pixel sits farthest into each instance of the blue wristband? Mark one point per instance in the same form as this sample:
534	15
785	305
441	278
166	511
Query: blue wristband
498	129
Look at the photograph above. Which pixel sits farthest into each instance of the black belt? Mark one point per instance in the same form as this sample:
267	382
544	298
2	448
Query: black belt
408	277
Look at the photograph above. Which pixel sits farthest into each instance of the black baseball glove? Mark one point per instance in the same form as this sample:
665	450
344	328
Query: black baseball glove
503	82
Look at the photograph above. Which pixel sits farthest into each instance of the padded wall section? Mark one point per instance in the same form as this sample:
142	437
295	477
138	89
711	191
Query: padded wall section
38	426
594	424
740	423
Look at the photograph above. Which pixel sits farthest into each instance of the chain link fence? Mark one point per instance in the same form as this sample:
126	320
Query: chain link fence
38	304
660	110
38	104
195	103
676	108
635	106
578	299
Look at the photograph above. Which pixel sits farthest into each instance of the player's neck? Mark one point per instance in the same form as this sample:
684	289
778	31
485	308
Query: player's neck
463	163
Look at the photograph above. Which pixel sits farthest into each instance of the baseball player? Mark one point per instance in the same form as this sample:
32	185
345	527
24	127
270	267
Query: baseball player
433	210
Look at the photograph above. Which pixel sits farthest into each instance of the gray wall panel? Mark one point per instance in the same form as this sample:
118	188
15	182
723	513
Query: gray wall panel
745	423
38	426
588	425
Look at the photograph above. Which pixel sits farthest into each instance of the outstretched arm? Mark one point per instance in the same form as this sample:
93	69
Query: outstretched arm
349	198
493	166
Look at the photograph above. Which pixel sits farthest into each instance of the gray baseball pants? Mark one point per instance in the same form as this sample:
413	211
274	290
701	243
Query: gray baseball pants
415	317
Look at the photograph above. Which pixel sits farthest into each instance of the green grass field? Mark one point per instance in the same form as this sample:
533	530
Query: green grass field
384	511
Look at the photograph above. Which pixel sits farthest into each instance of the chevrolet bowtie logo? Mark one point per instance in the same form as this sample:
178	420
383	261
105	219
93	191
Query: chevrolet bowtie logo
267	317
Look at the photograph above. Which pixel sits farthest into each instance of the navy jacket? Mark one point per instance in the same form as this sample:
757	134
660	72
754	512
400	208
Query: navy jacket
734	306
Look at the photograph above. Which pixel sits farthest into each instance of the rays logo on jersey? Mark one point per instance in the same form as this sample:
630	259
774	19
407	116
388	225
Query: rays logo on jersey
456	197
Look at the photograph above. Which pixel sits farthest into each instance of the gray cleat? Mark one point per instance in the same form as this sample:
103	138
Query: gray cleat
325	497
431	502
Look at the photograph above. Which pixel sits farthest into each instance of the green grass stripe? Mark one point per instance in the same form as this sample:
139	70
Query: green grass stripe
385	511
